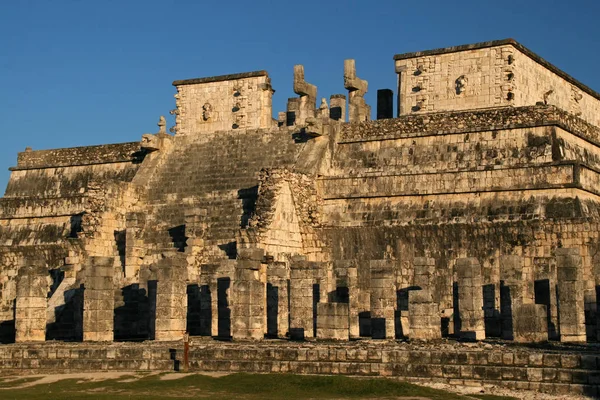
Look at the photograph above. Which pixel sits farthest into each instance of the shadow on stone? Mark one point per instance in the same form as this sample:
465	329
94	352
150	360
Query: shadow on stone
223	307
132	318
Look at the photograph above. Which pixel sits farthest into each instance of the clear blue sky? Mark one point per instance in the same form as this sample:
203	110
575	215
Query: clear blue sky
77	72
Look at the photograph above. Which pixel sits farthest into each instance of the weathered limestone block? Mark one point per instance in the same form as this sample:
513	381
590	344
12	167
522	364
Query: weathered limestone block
530	323
571	311
249	296
171	297
332	321
358	111
278	276
31	305
423	315
470	299
383	299
424	271
98	299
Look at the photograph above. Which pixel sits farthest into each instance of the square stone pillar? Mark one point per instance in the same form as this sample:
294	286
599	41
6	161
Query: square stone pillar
423	313
249	296
302	291
470	299
544	275
32	302
383	299
571	313
332	321
424	272
530	323
337	107
511	292
214	307
171	297
423	316
354	302
278	313
98	299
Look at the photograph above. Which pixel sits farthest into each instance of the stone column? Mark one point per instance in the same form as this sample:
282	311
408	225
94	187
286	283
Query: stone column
511	292
337	107
470	299
249	296
292	111
571	314
332	321
214	307
301	299
423	313
358	110
423	316
98	299
385	104
354	302
544	275
278	276
383	299
171	297
308	96
32	302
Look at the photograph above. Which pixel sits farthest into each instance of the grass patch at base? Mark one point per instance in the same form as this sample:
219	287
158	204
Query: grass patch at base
239	386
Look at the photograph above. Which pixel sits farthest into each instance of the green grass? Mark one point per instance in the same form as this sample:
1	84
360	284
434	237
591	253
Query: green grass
238	386
492	397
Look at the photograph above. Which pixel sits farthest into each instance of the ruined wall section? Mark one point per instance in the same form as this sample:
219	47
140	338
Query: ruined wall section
286	215
222	103
452	81
535	83
485	184
491	74
51	211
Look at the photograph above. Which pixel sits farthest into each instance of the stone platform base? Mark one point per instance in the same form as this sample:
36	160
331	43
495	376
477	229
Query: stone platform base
556	370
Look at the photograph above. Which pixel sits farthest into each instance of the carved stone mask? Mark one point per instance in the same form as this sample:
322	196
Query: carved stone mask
206	111
461	84
150	142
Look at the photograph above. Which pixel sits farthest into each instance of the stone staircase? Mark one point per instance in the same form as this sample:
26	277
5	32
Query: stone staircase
219	175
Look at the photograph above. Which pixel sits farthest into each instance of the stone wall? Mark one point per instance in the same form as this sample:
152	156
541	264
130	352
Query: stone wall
549	371
491	74
223	103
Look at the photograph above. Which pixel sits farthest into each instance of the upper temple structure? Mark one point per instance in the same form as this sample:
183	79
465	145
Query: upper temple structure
469	208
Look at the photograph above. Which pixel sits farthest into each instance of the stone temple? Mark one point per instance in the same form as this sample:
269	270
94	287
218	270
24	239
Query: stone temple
469	208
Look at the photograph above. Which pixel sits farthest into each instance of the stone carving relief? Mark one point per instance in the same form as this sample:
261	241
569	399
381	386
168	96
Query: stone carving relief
153	142
206	111
576	97
461	84
162	125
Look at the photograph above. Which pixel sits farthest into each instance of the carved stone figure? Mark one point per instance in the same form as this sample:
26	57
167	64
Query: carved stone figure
162	125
